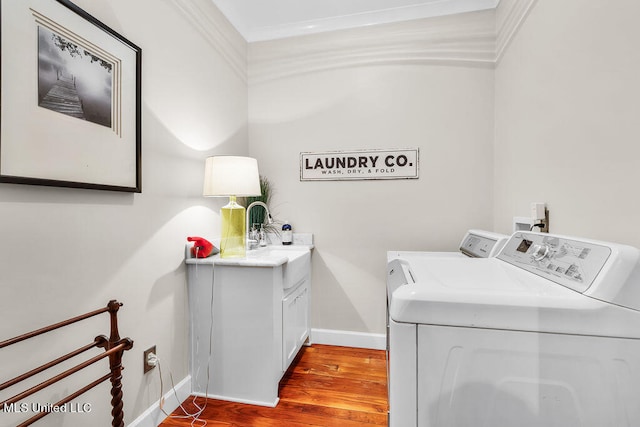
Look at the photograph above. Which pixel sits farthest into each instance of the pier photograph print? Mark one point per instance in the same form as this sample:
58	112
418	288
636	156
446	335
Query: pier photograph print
72	80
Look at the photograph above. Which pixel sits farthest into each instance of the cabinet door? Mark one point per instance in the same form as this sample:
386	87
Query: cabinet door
295	323
302	317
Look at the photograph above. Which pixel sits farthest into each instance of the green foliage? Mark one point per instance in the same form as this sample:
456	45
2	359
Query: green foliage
258	214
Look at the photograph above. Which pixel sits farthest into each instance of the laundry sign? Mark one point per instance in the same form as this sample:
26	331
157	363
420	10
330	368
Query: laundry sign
364	164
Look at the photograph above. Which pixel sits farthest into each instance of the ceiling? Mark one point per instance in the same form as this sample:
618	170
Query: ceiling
259	20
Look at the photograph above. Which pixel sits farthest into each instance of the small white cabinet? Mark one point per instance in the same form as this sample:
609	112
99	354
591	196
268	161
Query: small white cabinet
295	322
246	326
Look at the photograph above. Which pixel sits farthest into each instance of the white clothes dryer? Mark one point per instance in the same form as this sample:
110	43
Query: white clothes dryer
545	334
405	267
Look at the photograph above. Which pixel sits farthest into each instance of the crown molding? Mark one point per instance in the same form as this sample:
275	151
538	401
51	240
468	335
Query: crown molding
471	39
467	38
362	19
218	31
477	38
510	14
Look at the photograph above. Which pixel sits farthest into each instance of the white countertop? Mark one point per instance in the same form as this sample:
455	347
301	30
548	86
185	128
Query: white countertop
268	256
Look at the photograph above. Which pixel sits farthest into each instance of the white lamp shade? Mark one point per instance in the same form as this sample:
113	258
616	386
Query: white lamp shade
231	176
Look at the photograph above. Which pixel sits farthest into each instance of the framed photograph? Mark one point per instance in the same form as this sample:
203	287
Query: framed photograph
70	108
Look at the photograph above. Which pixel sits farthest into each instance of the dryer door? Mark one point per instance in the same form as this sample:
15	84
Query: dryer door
472	377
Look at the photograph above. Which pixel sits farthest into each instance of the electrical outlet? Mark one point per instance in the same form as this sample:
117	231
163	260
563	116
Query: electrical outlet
145	360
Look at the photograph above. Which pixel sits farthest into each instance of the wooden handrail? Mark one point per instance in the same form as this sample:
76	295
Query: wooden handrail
114	349
18	397
53	327
46	366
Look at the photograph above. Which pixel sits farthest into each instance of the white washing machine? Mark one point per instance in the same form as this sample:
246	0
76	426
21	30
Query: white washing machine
546	334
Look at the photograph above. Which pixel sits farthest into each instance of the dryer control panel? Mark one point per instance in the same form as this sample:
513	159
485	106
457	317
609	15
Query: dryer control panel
482	244
571	263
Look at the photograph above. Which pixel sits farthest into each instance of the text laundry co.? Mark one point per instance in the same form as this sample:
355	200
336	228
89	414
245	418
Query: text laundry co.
370	164
360	161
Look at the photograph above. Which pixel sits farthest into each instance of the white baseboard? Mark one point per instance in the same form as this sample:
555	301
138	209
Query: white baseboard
349	339
245	401
153	416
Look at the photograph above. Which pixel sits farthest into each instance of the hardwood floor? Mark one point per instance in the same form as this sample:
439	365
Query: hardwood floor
326	387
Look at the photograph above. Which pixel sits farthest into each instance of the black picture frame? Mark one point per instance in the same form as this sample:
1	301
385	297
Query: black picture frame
87	133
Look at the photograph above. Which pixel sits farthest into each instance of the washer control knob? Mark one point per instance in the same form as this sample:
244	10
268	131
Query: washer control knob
540	252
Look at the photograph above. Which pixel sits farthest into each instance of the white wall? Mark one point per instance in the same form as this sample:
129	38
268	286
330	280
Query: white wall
567	125
396	86
64	252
